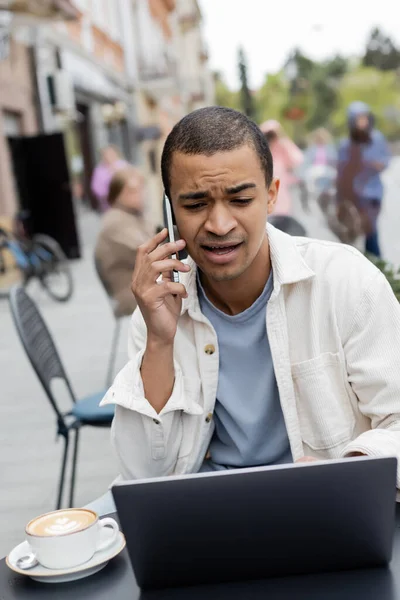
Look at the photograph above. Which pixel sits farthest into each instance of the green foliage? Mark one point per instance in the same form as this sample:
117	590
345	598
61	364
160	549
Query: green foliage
225	96
323	91
391	274
314	91
271	97
379	89
325	83
381	52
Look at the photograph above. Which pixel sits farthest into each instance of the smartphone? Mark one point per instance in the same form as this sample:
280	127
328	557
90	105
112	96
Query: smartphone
171	233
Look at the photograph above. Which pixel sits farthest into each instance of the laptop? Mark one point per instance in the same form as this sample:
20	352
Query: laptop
260	522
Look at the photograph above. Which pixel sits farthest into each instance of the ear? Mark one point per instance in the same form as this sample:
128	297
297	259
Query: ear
273	194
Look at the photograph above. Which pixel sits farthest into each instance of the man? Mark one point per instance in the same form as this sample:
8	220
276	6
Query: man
271	349
362	157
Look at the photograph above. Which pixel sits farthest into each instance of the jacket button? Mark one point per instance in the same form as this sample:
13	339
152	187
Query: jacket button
209	417
156	421
209	349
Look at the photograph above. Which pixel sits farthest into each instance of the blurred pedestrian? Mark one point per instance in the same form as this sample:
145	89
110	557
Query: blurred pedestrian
111	162
123	230
287	157
362	158
320	159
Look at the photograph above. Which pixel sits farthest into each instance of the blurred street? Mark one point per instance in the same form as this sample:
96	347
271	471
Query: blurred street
82	329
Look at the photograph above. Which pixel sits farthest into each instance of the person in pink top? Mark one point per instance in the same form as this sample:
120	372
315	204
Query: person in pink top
287	157
111	162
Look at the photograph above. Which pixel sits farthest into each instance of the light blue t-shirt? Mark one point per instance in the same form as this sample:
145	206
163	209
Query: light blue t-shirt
249	426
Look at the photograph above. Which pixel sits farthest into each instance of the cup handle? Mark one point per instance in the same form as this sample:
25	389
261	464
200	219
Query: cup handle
104	544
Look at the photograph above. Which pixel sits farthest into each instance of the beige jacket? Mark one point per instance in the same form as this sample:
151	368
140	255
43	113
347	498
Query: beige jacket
115	254
333	326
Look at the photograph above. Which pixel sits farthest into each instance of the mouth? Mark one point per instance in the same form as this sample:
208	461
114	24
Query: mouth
221	253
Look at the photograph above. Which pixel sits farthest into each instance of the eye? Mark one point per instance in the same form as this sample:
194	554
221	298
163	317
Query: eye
242	201
197	206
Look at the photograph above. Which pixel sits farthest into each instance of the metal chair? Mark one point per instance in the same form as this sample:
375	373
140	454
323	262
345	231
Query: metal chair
117	328
288	224
42	353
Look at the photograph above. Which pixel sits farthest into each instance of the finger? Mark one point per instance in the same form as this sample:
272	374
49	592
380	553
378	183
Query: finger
166	250
167	288
155	241
169	264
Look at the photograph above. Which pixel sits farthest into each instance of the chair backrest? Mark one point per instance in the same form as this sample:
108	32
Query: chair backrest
38	343
104	283
107	289
288	224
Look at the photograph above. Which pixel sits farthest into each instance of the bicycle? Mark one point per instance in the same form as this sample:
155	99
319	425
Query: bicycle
39	258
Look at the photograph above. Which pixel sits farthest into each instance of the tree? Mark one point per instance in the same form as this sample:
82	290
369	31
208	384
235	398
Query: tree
246	97
224	95
381	52
271	97
325	81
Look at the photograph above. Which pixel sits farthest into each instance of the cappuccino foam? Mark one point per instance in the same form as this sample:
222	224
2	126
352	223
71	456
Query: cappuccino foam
61	522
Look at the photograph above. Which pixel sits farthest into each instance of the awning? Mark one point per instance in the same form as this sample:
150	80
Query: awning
42	9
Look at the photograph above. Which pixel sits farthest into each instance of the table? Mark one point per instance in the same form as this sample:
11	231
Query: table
117	582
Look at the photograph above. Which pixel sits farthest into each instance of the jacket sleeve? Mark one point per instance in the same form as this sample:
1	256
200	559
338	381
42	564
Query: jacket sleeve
373	362
147	444
384	154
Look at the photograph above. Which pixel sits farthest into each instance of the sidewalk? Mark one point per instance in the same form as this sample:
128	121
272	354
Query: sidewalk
30	457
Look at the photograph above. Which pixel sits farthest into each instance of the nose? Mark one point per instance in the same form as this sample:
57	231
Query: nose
220	220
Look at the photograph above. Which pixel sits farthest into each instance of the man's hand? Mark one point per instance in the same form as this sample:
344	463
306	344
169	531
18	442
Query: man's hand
160	302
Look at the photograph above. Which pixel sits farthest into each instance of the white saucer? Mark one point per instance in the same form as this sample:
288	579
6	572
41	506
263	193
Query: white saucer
39	573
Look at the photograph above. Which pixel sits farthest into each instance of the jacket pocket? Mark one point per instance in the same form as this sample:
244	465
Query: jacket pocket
324	410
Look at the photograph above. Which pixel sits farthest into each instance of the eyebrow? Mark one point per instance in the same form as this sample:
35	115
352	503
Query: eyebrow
239	188
232	190
193	196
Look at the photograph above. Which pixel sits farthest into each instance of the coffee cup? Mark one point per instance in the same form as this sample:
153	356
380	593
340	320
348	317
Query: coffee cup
64	539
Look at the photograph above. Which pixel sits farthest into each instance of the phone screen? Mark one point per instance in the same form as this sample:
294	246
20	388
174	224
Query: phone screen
171	232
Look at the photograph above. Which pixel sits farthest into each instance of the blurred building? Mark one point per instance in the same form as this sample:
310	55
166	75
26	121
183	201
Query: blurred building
18	102
173	77
196	81
70	67
86	75
94	72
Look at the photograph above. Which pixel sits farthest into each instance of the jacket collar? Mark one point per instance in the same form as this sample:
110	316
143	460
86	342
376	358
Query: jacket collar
288	267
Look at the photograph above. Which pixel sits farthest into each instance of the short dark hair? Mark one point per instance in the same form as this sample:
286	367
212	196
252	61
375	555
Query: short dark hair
215	129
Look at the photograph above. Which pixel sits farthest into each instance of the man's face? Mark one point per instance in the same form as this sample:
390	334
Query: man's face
221	203
360	132
362	122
